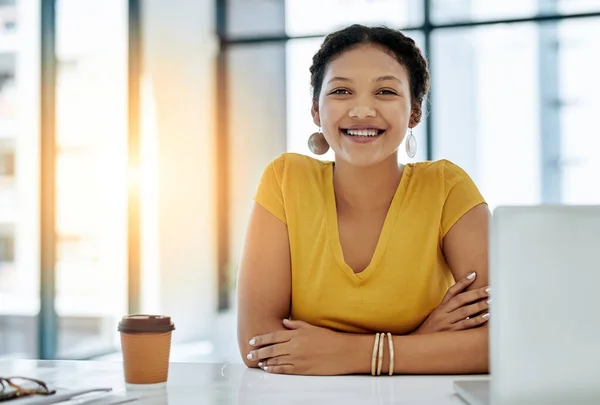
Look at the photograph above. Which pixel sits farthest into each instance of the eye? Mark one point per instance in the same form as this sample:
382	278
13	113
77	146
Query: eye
340	91
387	92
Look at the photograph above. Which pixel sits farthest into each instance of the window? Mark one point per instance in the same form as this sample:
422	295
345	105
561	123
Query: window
19	177
448	11
579	62
486	108
300	125
310	17
515	104
7	250
91	174
242	18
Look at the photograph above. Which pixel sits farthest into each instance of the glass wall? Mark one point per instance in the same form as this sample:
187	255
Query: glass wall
91	174
578	106
87	215
19	177
514	105
302	17
486	108
449	11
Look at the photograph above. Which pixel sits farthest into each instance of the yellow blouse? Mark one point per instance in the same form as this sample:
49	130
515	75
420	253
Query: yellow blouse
407	276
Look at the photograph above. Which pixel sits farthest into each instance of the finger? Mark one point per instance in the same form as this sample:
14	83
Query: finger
459	287
467	297
276	361
469	311
285	369
281	336
267	352
471	322
295	324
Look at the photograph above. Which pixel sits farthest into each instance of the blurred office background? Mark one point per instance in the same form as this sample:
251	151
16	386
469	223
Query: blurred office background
133	134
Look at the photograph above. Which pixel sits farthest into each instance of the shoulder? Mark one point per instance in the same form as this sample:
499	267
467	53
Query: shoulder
443	172
441	166
295	164
448	188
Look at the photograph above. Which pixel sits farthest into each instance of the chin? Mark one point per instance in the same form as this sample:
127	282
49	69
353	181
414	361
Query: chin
362	160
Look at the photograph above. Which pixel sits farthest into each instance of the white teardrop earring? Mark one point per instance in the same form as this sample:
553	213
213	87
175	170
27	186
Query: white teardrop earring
411	145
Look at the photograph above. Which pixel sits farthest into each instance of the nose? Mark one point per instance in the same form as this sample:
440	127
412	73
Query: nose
362	112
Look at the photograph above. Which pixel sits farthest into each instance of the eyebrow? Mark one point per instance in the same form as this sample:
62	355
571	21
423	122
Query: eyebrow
389	77
379	79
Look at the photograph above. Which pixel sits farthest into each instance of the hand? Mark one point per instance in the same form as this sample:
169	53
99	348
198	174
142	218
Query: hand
302	349
459	310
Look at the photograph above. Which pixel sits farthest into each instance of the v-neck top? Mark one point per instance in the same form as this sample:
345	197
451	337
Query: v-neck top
407	276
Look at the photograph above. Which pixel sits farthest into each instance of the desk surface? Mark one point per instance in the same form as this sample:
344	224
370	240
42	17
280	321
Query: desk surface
233	384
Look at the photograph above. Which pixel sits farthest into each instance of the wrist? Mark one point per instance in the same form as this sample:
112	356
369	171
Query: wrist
357	353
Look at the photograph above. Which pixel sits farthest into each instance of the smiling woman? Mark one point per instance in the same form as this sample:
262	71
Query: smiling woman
338	252
370	91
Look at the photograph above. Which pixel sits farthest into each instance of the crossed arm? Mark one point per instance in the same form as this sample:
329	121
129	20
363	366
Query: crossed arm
264	296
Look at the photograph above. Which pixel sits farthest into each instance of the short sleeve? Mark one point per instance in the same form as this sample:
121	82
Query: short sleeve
461	195
269	193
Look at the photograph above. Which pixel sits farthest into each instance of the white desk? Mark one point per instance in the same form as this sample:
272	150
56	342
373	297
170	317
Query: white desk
233	384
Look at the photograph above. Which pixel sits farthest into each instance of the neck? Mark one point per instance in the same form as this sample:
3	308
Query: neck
367	188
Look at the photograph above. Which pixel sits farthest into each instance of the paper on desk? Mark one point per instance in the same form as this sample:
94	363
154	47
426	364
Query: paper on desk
95	396
103	400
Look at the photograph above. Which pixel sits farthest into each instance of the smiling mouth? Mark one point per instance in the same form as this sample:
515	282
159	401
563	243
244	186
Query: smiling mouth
363	132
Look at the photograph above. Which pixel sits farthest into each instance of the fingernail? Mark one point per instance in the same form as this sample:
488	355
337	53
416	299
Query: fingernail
489	301
252	342
249	356
486	316
488	290
260	364
471	276
266	368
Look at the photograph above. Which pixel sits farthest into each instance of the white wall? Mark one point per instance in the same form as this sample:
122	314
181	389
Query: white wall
179	264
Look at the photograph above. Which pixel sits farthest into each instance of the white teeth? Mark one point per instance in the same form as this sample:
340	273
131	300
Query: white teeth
362	132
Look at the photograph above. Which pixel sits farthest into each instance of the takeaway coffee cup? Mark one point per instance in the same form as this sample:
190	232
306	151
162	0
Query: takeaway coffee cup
146	345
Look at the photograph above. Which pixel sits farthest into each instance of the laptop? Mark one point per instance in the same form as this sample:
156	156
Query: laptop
545	323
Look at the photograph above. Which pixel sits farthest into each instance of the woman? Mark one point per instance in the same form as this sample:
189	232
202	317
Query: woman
338	252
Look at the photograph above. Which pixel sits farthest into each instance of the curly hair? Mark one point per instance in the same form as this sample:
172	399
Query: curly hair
395	42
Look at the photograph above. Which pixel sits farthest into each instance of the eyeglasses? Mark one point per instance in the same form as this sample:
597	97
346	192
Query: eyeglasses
18	387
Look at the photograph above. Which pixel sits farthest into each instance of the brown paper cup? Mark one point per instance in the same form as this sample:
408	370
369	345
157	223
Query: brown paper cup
146	357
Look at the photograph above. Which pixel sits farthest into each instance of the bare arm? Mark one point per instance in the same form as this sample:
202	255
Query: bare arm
449	352
264	279
465	246
457	352
462	352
